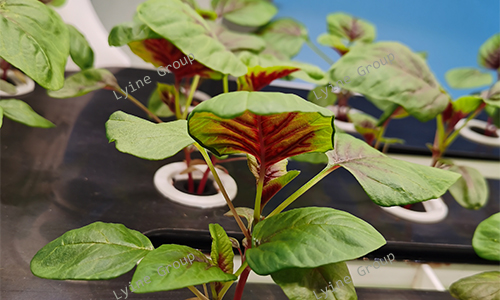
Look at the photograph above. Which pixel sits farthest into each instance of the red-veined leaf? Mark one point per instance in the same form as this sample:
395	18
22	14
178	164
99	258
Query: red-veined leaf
258	77
222	248
276	177
269	126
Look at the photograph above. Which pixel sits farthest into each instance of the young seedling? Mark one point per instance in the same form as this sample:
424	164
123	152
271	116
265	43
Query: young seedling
269	128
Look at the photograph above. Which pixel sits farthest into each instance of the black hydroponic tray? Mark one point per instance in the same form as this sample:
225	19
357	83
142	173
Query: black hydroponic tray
55	180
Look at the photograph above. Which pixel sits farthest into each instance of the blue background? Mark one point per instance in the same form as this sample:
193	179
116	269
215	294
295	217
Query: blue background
451	31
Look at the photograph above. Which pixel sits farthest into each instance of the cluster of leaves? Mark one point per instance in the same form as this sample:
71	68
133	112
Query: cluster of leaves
486	243
293	247
407	87
37	42
269	128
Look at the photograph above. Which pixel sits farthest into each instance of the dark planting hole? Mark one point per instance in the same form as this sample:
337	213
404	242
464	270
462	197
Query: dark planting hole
11	81
209	190
483	131
415	207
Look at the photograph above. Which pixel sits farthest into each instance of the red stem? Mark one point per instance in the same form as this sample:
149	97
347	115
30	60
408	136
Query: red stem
241	284
203	181
5	66
190	176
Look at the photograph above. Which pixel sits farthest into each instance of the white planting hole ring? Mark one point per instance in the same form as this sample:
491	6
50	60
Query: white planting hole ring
164	183
346	126
21	87
473	136
435	211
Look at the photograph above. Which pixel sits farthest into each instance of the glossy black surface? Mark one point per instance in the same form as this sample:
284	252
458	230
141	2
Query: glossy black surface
55	180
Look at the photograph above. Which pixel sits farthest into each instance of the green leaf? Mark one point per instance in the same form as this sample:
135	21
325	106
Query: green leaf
145	139
486	240
245	12
467	104
422	54
466	78
406	80
388	181
7	87
96	251
483	286
307	284
80	50
1	117
285	36
276	177
309	237
489	52
234	41
244	212
317	96
334	42
269	126
350	28
21	112
57	3
494	113
159	269
222	248
366	125
311	157
84	82
344	30
471	190
156	104
264	68
125	33
493	95
35	40
181	25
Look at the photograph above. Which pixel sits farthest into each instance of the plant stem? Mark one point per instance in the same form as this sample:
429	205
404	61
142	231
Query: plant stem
241	284
454	135
223	190
327	170
214	293
205	289
178	113
227	285
194	86
225	84
319	52
190	175
203	181
5	66
197	293
139	104
258	196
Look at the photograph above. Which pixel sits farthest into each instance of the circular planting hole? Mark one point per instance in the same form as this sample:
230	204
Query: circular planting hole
415	207
482	131
209	190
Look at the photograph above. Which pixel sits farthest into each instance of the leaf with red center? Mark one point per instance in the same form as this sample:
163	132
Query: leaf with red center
162	100
489	53
344	29
222	248
264	68
275	178
269	126
258	77
162	53
461	108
